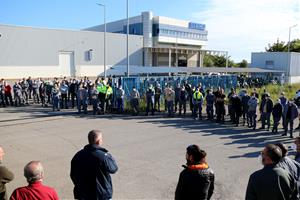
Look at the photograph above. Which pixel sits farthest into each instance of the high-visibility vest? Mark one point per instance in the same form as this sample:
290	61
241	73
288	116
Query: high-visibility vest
109	90
102	88
197	95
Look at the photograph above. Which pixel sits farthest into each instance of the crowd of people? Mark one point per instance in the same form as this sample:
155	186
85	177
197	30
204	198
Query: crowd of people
105	97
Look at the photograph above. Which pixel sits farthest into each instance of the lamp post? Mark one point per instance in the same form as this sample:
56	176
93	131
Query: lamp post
104	38
290	36
127	42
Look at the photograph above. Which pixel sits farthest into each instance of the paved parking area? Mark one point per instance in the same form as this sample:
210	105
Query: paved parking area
149	150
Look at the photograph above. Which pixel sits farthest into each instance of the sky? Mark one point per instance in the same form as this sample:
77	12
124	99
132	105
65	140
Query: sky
237	26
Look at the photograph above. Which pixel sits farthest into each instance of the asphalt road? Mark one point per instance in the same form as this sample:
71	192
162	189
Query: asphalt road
149	150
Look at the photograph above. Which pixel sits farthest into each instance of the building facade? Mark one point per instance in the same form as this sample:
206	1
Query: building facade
166	41
40	52
288	63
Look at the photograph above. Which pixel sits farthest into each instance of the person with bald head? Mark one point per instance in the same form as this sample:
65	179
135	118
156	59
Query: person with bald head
5	176
34	174
91	168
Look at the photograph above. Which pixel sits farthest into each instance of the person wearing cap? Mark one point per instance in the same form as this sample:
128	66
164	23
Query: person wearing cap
276	113
196	181
271	182
290	113
266	108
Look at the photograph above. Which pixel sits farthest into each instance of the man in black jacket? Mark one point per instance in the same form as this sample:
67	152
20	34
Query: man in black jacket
271	182
91	168
266	108
196	181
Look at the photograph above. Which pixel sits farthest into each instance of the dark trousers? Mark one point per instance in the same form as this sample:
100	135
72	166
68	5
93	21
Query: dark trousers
265	119
8	99
252	118
64	101
73	96
220	110
43	100
286	124
94	102
245	117
55	103
170	108
197	110
135	106
276	123
177	102
102	102
210	111
182	105
150	107
120	105
157	102
2	99
80	104
235	117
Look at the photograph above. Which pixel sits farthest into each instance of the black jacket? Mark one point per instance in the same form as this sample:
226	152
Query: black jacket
277	110
269	103
90	172
272	183
195	182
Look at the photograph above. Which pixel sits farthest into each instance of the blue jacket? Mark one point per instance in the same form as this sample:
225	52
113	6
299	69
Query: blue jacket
90	172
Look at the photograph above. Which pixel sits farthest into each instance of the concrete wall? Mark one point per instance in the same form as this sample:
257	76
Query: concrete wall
26	51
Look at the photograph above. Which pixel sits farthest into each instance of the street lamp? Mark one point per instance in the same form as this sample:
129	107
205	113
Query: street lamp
290	36
127	42
104	37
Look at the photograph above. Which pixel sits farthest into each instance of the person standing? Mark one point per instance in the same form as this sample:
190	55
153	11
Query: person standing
91	168
266	108
64	90
197	104
82	95
245	98
177	96
197	179
73	92
150	100
252	106
6	176
134	101
34	174
277	113
236	108
7	94
120	99
271	182
94	98
42	92
290	113
182	101
210	99
169	96
55	93
158	92
220	106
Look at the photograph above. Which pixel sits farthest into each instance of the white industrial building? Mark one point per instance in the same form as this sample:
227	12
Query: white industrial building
153	41
286	62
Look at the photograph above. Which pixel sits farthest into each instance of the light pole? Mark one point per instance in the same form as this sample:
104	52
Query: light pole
104	38
127	42
290	36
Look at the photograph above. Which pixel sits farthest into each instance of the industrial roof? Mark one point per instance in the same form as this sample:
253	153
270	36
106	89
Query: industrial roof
139	70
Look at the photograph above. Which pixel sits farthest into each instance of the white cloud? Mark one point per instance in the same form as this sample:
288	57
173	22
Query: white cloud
242	27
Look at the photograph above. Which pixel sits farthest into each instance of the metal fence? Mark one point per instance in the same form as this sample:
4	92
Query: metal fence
142	83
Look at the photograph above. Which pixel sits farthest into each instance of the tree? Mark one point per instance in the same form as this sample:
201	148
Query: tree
281	46
208	61
242	64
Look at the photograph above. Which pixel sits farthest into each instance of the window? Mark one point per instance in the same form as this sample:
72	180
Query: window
269	63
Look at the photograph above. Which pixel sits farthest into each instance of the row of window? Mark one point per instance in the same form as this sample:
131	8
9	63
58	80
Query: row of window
182	34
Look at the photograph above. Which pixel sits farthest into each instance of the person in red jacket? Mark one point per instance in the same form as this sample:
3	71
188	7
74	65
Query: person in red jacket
7	92
35	190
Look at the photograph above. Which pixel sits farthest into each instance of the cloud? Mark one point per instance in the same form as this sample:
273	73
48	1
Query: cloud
242	27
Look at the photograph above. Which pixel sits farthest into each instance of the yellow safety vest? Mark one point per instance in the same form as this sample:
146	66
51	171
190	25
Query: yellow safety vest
197	95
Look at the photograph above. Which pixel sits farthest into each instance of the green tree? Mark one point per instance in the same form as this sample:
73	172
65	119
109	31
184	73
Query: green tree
242	64
281	46
208	61
278	46
220	61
